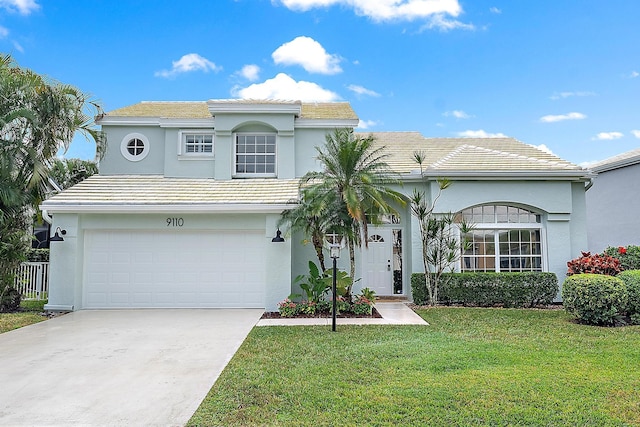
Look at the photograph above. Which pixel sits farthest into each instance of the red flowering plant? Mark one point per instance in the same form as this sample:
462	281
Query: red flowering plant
287	308
629	256
595	264
362	306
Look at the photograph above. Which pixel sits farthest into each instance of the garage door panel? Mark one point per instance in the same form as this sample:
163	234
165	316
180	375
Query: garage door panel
173	269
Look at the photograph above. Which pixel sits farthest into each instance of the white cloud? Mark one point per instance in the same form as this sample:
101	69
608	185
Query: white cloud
495	10
458	114
3	32
360	90
188	63
24	7
634	74
440	22
636	133
562	95
384	10
18	46
562	117
284	87
366	124
309	54
250	72
602	136
480	134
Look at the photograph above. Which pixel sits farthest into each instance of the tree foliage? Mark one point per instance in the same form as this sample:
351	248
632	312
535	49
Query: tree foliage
38	117
351	190
441	247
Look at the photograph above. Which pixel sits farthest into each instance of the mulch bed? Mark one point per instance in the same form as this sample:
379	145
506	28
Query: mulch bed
276	315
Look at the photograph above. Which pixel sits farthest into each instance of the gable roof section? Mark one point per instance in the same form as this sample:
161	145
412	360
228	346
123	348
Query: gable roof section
470	156
151	193
625	159
200	109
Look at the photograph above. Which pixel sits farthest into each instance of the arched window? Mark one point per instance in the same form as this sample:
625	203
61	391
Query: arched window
504	238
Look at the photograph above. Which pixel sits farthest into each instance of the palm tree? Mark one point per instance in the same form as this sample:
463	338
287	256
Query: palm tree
38	117
352	188
304	217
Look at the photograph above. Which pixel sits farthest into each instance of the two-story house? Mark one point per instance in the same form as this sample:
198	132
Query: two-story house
184	211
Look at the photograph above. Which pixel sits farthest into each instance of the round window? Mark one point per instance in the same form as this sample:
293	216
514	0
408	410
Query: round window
134	147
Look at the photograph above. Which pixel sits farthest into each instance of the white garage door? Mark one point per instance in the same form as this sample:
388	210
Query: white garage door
131	269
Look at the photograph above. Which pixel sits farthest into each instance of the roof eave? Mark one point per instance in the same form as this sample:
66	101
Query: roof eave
155	121
174	208
579	175
326	123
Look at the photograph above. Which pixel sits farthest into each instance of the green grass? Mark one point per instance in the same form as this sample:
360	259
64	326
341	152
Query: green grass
29	314
470	367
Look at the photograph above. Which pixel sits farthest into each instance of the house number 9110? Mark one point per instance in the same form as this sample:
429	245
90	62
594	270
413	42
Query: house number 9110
175	222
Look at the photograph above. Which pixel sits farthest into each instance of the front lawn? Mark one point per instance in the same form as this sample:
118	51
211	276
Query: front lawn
470	367
30	313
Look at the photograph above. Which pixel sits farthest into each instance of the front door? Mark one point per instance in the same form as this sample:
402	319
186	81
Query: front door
378	261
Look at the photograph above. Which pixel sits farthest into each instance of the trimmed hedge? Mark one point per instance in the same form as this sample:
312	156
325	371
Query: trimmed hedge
595	299
525	289
631	278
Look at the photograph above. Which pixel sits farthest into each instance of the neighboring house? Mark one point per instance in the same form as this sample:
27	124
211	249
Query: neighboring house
189	194
612	205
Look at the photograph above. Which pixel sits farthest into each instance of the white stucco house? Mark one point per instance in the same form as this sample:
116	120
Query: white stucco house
185	207
612	208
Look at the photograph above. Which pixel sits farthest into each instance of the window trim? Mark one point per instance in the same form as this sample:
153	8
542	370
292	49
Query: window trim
182	143
124	147
236	174
496	227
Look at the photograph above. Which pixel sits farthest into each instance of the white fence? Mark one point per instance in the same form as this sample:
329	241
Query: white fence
32	280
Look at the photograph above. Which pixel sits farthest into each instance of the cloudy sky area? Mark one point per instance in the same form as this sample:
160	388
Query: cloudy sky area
564	76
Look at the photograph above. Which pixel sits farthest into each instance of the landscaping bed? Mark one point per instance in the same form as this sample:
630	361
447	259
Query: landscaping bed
276	315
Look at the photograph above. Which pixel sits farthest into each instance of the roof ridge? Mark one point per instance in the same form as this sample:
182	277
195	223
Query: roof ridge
450	155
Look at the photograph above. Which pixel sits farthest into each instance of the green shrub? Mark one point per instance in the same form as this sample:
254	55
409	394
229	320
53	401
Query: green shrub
38	255
595	299
631	278
629	256
524	289
9	300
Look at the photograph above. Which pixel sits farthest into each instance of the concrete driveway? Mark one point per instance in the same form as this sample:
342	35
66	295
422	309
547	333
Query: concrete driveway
117	367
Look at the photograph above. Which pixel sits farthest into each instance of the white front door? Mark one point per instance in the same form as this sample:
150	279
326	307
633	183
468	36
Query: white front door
378	261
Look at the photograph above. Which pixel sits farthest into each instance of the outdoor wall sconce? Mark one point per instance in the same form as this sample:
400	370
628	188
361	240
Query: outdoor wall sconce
278	238
57	237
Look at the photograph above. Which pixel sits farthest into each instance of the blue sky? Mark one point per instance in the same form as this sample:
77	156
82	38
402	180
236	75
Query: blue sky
564	75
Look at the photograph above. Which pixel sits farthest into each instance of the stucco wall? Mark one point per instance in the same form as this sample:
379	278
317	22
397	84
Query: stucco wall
561	203
612	209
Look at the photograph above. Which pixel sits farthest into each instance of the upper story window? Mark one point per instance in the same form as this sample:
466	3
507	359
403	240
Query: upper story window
255	154
504	238
196	143
134	147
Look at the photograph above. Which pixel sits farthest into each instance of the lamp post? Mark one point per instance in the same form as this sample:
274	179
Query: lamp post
335	243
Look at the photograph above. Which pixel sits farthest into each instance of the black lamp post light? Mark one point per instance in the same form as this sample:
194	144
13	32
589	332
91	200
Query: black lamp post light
335	242
57	237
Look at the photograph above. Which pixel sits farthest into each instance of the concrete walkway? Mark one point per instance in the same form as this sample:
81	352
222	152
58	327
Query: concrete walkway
117	367
393	313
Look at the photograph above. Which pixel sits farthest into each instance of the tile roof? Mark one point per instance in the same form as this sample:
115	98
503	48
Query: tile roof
466	154
627	158
140	190
200	109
